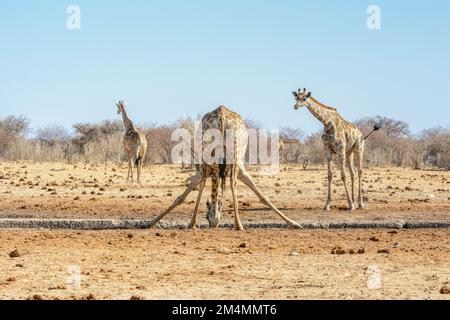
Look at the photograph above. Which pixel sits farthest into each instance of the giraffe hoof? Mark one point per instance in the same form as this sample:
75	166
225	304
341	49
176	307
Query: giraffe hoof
239	228
151	225
351	208
327	207
192	226
360	205
295	225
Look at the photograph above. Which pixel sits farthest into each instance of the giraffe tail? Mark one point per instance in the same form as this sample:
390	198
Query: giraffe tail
376	127
138	161
223	174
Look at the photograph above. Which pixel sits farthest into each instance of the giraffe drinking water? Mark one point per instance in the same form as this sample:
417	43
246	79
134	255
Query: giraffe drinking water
224	120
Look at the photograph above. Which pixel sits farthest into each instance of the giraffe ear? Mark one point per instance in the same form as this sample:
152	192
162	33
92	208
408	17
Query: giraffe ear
308	95
294	93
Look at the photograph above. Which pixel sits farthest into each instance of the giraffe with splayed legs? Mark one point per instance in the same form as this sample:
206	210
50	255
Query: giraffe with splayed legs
224	120
340	138
134	142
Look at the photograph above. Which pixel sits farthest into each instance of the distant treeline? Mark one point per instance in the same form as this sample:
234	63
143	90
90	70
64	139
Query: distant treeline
99	142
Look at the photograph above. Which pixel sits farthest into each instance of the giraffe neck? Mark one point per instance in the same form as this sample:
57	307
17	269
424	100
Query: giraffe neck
126	121
323	113
214	195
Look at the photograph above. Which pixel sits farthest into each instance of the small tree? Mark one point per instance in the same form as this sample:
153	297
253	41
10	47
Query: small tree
437	146
314	151
292	151
51	143
12	130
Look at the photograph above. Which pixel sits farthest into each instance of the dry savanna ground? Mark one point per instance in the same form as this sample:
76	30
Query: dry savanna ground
98	191
225	264
221	264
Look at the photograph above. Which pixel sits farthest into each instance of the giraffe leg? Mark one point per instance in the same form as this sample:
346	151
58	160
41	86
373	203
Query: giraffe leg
132	169
197	204
139	170
330	180
195	181
359	164
138	181
342	161
129	169
141	164
246	178
351	168
233	183
143	156
137	173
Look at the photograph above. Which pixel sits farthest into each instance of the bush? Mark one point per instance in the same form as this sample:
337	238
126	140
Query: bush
101	142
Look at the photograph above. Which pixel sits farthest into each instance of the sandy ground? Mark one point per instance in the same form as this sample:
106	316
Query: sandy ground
225	264
221	264
98	191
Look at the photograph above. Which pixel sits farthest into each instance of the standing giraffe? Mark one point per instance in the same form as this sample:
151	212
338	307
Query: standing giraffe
223	119
340	137
134	142
282	145
189	166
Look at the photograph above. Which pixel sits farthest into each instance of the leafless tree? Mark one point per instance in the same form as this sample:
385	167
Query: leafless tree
292	152
437	146
12	131
102	142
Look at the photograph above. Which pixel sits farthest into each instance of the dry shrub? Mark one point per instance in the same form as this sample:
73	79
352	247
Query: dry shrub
102	142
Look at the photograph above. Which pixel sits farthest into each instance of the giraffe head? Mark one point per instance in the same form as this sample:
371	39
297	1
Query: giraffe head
121	106
214	213
301	97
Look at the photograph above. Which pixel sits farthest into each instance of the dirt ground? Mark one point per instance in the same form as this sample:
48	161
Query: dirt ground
221	264
97	191
225	264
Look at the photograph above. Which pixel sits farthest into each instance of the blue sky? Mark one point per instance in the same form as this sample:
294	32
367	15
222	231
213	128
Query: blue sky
169	59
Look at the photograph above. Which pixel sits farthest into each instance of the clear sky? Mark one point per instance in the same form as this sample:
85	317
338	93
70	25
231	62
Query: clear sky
169	59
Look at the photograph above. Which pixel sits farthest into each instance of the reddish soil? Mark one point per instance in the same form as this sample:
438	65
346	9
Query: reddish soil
221	264
226	264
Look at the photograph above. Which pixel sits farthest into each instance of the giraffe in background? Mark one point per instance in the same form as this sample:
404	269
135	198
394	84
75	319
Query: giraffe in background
134	142
342	138
189	166
283	143
223	119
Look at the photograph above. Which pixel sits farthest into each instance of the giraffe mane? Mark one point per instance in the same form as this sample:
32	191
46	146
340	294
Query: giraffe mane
323	105
333	109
